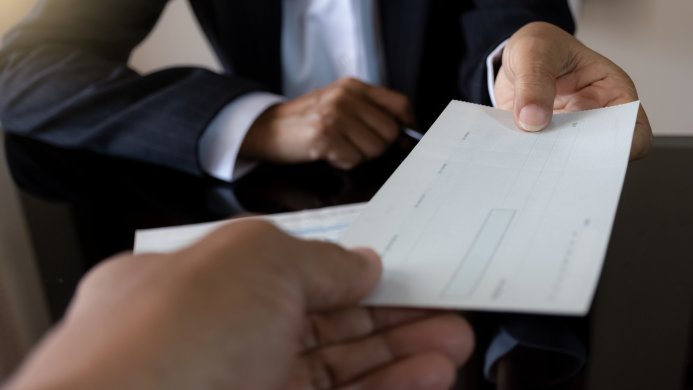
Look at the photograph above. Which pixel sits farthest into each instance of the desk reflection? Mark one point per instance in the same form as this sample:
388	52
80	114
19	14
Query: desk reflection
83	207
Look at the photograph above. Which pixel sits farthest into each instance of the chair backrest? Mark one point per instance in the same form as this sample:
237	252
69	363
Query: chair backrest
23	312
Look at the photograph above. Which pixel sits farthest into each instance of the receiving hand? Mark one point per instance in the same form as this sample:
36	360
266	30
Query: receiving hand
345	123
248	307
545	69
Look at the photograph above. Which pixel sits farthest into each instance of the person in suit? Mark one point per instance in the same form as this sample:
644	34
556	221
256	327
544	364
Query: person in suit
223	314
304	80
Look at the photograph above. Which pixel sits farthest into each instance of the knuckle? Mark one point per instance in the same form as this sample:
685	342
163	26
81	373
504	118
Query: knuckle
535	75
321	373
351	163
329	121
402	101
246	230
348	82
341	99
336	99
342	160
327	97
374	151
318	145
390	132
255	227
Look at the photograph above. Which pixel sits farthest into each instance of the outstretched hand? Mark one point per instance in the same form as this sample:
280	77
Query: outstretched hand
546	70
248	307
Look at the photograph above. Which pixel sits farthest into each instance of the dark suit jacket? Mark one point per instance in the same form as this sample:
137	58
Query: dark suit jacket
64	77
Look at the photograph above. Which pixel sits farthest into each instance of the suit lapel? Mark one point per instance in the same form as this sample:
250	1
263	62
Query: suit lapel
255	51
403	27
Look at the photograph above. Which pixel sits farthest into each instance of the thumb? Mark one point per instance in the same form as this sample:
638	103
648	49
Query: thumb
331	277
531	110
536	61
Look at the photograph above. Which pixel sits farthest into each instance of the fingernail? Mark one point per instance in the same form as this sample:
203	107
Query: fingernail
368	253
533	118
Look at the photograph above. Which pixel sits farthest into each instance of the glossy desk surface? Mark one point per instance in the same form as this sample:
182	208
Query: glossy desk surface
639	333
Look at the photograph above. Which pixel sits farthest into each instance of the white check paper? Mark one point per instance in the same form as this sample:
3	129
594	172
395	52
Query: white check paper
320	224
481	215
484	216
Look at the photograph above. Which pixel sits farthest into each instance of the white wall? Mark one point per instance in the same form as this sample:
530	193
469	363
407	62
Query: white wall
653	41
177	39
11	11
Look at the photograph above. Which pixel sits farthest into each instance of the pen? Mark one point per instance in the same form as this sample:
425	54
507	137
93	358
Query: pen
411	133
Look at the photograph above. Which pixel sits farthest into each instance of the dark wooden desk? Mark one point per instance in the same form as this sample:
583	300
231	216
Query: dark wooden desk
639	333
641	323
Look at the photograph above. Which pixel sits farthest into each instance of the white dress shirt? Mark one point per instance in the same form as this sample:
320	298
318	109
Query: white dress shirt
322	41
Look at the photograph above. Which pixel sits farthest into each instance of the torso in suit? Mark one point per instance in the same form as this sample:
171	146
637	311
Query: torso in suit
64	77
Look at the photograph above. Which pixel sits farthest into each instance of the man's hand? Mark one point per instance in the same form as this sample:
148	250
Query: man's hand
546	69
345	123
249	307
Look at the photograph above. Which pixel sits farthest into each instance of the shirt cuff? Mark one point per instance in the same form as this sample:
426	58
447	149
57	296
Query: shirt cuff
492	63
221	141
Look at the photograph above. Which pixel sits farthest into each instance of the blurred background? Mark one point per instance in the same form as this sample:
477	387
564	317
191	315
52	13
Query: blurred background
650	39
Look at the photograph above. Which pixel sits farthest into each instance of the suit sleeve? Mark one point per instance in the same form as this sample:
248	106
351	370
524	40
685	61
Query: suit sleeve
488	24
64	80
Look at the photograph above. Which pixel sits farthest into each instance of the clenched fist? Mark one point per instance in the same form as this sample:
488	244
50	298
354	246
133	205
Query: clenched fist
345	123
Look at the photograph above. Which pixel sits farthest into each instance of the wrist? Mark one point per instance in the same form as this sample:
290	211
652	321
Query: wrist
259	138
